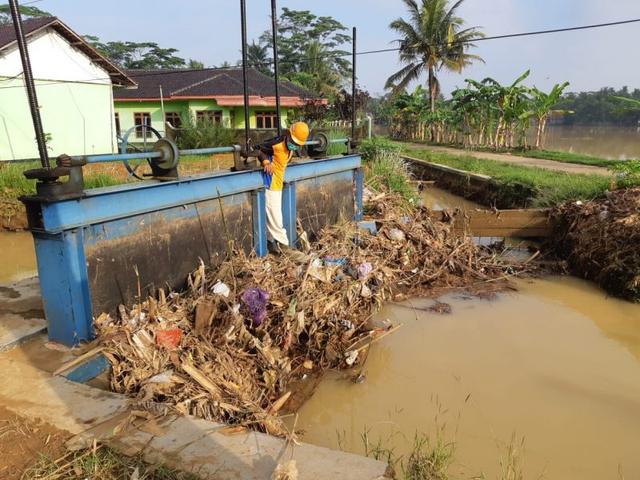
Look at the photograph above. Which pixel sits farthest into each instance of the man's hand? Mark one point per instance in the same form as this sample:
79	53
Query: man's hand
268	168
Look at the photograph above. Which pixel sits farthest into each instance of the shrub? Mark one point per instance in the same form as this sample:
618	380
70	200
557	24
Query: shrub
376	147
203	133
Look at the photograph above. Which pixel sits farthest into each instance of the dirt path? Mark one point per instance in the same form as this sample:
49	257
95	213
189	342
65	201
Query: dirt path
23	442
524	161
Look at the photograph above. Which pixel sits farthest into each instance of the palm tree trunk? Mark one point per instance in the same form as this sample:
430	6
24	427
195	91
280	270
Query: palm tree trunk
433	92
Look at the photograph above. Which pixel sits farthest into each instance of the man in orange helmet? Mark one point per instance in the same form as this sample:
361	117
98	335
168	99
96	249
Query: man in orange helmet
274	156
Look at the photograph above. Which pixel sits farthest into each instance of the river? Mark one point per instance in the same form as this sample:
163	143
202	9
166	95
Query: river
614	143
556	363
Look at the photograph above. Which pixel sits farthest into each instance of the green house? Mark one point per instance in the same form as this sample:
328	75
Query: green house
163	98
74	85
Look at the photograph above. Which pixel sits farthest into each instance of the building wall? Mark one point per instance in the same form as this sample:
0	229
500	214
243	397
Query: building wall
78	119
232	117
75	98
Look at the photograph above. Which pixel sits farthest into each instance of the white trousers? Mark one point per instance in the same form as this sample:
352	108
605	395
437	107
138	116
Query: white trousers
275	224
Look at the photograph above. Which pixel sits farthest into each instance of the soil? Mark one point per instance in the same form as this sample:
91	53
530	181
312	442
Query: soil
523	161
23	442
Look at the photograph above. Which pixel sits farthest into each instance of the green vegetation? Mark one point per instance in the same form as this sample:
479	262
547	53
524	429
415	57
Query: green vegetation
101	463
603	107
203	133
567	157
551	187
385	170
423	48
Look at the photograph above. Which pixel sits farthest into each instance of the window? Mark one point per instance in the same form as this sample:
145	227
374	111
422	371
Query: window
266	120
117	115
214	116
140	119
173	118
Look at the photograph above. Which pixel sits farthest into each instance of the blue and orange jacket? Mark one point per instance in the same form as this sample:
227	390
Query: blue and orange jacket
276	152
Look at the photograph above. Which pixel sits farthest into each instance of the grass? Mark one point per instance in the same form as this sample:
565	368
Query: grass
387	172
557	156
552	187
101	463
567	157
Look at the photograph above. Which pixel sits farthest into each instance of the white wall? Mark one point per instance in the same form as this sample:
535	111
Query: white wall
52	58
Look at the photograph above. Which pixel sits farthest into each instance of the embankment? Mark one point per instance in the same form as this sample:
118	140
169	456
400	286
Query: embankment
476	187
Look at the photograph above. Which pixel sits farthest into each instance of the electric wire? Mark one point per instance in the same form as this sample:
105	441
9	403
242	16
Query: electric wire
347	54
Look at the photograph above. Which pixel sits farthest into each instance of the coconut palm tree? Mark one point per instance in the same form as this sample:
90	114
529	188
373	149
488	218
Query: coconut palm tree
432	39
258	57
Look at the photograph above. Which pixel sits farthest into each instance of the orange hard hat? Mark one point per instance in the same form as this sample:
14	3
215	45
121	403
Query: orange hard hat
299	133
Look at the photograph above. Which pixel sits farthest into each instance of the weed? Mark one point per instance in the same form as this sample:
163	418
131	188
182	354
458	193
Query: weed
101	463
387	171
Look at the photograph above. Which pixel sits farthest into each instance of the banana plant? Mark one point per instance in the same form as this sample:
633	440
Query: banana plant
542	108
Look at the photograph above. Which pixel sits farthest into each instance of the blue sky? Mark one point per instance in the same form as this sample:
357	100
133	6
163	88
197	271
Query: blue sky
208	30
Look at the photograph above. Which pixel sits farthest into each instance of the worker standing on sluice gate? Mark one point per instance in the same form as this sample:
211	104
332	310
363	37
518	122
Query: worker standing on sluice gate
274	156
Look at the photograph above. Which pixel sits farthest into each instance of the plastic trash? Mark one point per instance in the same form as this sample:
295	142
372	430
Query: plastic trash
334	261
254	305
364	270
365	291
169	339
396	235
351	357
164	377
221	289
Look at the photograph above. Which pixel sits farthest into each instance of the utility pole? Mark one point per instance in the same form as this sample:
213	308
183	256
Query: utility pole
274	28
245	87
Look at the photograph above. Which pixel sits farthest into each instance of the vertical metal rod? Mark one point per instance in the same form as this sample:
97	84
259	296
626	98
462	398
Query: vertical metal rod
274	28
29	83
353	87
245	87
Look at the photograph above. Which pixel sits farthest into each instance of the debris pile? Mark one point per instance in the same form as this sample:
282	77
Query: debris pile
243	338
600	239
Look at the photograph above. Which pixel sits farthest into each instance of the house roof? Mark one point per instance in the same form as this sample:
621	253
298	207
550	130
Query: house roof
33	26
221	84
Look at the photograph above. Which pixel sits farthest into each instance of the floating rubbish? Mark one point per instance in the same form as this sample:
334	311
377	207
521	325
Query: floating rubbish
351	357
396	235
162	378
229	371
334	262
221	289
364	270
255	305
440	308
169	339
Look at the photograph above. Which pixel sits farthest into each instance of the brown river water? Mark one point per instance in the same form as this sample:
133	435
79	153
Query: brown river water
556	363
614	143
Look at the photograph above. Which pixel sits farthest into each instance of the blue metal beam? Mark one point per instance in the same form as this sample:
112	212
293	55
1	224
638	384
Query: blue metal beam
289	212
104	204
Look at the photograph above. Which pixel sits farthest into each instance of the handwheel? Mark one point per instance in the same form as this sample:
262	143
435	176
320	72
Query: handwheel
132	166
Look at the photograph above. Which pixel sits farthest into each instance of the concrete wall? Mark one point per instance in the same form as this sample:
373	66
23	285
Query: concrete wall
75	97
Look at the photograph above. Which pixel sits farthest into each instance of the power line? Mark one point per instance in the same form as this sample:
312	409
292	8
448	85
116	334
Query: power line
366	52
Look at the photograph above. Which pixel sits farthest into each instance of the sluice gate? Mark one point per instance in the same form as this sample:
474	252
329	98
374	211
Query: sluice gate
112	245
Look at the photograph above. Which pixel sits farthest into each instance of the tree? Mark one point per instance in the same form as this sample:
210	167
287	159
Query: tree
310	50
138	55
25	11
258	57
195	64
342	104
542	108
432	39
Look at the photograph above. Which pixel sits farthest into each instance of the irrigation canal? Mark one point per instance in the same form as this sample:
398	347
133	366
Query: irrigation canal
556	363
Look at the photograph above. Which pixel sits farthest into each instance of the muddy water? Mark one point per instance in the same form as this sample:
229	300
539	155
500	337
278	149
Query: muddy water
615	143
556	363
17	256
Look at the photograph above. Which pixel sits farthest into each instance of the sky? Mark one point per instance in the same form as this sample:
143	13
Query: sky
209	31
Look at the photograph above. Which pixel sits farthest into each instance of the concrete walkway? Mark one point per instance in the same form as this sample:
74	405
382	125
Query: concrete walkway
523	161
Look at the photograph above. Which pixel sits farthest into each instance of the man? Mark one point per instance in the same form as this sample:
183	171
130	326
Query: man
274	156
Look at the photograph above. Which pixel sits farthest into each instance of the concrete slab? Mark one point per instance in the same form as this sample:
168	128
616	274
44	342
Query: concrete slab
186	443
21	313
